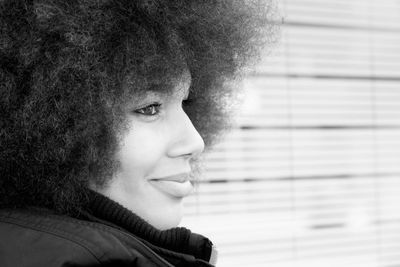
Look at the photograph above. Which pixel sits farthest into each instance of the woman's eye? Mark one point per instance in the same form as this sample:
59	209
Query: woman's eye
150	110
186	102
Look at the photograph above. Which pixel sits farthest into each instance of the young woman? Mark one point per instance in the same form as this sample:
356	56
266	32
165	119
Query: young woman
105	107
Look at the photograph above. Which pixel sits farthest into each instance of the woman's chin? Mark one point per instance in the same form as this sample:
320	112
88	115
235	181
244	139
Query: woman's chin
166	226
167	218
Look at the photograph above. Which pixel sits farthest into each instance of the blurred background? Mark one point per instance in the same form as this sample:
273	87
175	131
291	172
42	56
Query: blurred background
310	175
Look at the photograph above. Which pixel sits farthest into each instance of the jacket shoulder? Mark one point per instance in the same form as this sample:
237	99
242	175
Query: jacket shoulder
32	238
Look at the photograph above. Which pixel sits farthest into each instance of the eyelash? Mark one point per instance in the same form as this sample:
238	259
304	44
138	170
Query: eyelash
186	102
155	108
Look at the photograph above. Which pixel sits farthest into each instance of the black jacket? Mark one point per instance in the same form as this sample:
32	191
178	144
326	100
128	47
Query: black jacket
104	235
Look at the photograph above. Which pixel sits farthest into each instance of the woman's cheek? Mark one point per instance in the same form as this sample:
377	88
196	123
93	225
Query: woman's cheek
142	149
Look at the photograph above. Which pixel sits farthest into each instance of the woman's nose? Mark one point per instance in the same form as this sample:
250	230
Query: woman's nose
185	140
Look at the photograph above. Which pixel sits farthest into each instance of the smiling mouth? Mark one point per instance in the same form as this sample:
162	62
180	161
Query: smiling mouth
178	186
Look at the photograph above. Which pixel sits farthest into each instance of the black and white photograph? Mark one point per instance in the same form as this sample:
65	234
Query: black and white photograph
199	133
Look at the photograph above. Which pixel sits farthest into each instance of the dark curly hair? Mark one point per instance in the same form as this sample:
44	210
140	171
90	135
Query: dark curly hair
67	69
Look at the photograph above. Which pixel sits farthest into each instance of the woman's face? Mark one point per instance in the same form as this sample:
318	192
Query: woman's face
154	158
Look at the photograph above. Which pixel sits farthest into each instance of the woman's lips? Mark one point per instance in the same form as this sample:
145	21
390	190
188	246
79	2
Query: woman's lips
178	185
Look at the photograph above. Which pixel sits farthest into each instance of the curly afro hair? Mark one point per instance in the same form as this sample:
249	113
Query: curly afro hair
67	68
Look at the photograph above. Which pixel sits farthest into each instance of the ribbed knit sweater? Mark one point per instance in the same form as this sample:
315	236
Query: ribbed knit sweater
176	240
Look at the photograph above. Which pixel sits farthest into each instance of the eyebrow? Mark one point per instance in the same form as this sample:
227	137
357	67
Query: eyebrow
167	90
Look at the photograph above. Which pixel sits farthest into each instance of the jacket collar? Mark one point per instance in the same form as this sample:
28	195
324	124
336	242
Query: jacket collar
176	241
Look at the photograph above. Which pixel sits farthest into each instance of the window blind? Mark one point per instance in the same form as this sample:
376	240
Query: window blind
310	175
